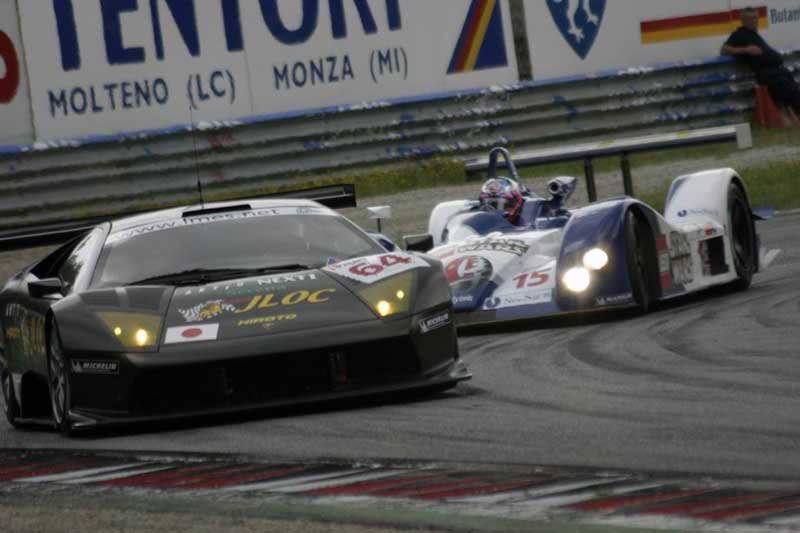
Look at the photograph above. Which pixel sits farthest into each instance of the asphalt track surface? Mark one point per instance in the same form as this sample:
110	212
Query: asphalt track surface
709	384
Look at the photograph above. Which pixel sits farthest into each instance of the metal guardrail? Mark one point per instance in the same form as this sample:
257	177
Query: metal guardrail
740	134
77	179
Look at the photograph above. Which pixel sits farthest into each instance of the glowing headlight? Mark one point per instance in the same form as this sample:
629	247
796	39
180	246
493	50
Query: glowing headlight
132	330
595	259
142	337
577	279
384	308
389	297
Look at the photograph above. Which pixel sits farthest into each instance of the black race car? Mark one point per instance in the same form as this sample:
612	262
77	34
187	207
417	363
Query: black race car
220	307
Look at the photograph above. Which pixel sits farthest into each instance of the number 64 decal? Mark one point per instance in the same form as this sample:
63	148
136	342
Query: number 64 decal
377	267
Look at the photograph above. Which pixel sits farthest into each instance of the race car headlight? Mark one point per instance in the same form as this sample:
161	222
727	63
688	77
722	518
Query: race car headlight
132	330
577	279
389	297
595	259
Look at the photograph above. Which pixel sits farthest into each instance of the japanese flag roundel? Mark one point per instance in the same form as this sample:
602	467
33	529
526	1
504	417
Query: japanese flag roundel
191	333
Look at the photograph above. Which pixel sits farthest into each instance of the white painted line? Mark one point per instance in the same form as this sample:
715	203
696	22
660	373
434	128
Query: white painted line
116	475
77	474
792	520
533	507
284	483
768	258
341	481
528	494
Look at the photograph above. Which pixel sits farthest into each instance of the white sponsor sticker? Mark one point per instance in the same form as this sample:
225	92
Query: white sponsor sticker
515	299
191	333
427	325
87	366
377	267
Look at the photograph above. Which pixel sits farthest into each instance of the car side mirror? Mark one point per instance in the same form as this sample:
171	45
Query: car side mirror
46	287
418	243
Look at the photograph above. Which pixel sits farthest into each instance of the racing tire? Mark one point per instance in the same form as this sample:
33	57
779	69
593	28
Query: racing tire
743	247
636	236
58	381
10	405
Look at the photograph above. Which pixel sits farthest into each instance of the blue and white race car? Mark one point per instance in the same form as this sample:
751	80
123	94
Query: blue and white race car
514	255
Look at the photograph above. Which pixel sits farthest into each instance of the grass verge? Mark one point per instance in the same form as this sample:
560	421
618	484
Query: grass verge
370	181
378	180
775	184
762	138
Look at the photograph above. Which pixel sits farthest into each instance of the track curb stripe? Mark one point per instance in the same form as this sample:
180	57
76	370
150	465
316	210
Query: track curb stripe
284	483
337	482
607	497
145	469
77	474
259	475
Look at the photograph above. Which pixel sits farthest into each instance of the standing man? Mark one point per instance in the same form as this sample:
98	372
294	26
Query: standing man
767	64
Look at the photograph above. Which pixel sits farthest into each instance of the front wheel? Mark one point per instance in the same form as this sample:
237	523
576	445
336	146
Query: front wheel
742	237
58	382
636	236
11	407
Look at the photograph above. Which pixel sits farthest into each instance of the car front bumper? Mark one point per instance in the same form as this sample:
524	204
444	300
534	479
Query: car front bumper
261	372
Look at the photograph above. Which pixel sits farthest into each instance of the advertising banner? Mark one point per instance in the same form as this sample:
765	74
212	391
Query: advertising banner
572	37
15	105
383	49
111	66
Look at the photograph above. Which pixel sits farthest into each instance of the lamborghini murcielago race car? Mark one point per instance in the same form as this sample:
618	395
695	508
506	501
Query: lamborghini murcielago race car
220	307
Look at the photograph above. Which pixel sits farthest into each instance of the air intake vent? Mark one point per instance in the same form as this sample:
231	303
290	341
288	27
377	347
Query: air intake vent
105	298
145	297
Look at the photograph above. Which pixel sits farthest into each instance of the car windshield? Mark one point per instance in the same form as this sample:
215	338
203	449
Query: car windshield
187	248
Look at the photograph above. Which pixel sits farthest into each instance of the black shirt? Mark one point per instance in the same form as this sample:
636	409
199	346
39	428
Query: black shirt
763	65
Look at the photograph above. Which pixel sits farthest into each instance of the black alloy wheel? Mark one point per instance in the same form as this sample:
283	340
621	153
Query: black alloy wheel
636	236
742	237
10	405
58	382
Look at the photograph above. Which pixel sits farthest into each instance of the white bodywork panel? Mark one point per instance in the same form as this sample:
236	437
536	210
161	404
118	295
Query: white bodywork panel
698	210
523	265
442	214
696	213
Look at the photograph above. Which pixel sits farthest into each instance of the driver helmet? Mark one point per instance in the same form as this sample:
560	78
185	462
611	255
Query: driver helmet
502	194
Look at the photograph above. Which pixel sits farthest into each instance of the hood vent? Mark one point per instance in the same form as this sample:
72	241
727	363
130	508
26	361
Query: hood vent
104	298
148	298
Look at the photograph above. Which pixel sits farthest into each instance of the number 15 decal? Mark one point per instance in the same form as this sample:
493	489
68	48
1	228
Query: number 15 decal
530	280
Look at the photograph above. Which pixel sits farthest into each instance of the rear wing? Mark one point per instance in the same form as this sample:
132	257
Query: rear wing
333	196
740	134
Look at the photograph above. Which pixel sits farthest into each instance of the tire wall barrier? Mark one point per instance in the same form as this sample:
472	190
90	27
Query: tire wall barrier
117	106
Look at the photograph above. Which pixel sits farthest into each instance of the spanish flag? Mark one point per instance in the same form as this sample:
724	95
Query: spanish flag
481	44
696	26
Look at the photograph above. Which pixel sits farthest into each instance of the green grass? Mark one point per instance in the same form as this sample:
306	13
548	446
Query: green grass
369	182
775	184
762	138
372	181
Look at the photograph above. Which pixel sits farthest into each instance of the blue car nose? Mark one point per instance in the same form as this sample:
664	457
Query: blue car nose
472	299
